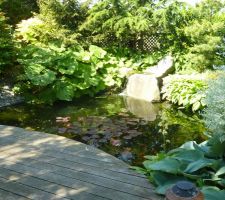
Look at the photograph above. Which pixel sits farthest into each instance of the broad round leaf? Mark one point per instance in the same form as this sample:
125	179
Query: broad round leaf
168	165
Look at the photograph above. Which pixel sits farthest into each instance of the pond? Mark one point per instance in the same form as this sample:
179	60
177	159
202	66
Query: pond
123	127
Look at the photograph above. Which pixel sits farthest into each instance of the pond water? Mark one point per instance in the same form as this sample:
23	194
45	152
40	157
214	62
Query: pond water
124	127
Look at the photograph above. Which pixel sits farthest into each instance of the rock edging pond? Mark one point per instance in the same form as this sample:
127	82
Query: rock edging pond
8	97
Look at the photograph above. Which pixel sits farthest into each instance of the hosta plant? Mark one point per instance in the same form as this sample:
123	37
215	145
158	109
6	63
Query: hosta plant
187	91
193	162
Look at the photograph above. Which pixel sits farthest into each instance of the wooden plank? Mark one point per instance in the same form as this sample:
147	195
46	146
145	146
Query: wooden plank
73	165
114	165
72	158
75	148
46	142
65	145
73	183
5	195
26	191
90	178
50	187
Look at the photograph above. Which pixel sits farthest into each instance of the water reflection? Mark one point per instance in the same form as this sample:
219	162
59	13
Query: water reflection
142	109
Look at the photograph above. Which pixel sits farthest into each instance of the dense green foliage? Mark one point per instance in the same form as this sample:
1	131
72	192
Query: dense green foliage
118	22
188	91
17	10
214	113
6	49
58	73
67	13
55	66
36	31
193	34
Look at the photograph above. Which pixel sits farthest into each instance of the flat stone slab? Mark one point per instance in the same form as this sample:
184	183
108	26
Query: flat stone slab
35	165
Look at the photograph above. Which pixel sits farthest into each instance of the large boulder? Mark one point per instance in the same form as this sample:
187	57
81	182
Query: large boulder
143	86
147	86
162	69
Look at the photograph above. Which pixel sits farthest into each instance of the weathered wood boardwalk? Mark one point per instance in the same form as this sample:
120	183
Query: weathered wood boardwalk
36	165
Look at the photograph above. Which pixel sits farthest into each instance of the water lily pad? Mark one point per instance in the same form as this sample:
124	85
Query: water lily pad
127	137
115	142
132	123
118	134
86	138
95	136
103	140
62	130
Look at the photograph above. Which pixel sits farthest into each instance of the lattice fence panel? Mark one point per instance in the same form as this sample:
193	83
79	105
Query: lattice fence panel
147	44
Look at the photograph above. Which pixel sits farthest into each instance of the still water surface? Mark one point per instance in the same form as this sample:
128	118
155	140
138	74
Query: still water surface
124	127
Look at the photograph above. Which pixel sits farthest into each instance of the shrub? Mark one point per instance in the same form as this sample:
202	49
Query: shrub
194	34
6	43
17	10
118	22
57	73
187	91
67	13
214	113
36	31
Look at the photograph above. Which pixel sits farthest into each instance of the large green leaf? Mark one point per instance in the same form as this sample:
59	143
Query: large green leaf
97	51
64	91
188	155
199	164
67	66
83	56
169	165
221	171
39	75
213	193
164	181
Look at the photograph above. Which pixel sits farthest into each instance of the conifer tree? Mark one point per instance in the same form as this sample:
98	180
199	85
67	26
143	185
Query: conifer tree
17	10
124	21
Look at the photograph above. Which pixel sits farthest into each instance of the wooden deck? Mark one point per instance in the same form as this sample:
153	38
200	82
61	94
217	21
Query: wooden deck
36	165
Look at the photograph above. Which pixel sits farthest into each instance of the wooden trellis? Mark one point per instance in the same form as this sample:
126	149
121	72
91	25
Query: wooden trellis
146	43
